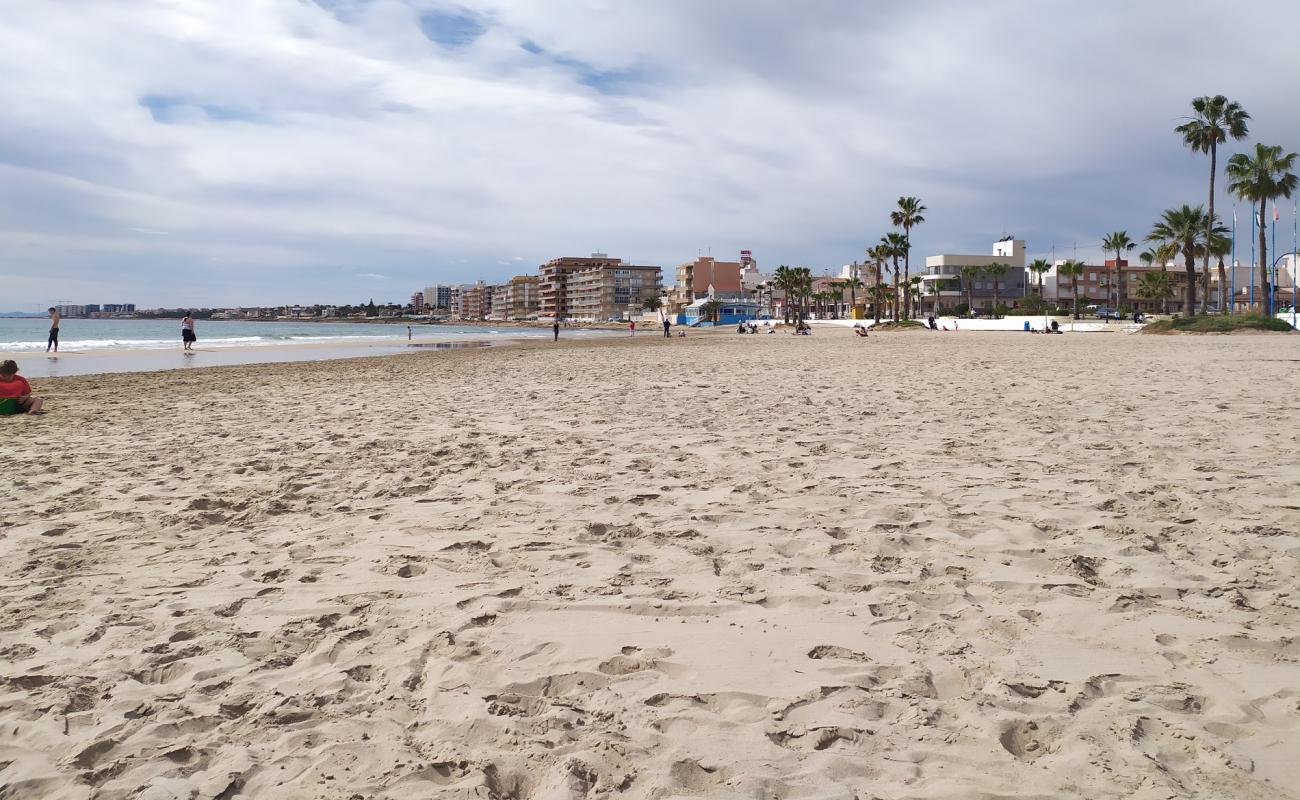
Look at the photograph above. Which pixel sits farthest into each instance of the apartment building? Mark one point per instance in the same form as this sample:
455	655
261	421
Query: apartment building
520	298
472	301
1099	284
417	302
595	288
438	298
943	285
696	279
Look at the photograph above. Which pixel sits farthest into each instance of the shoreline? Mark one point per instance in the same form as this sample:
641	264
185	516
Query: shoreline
66	363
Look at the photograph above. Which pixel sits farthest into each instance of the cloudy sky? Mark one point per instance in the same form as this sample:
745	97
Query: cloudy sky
211	153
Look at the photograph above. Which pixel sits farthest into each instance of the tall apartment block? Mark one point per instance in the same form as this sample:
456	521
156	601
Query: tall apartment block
595	288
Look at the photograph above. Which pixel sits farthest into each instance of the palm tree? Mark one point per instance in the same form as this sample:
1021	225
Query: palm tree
786	279
878	293
878	255
652	303
854	283
1118	242
935	289
1161	253
1183	227
710	310
908	216
1040	267
914	291
1155	286
995	271
968	276
803	287
1220	247
1073	270
896	247
1214	119
1266	176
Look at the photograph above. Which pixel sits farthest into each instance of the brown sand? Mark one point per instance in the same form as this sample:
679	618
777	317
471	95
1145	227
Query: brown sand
947	566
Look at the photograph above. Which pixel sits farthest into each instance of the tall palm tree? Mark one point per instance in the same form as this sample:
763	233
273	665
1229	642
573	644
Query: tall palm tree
878	255
896	246
1040	267
1118	242
1183	227
1213	120
907	216
853	284
786	279
1073	270
1259	178
968	276
996	271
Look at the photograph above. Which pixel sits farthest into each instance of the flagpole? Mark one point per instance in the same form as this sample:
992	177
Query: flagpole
1254	274
1232	308
1293	264
1272	298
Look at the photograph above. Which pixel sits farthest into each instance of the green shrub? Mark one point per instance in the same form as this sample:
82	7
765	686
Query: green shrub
1216	323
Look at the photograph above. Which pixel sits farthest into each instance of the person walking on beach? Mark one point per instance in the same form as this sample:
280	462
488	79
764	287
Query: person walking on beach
187	331
15	387
667	324
555	329
631	328
54	331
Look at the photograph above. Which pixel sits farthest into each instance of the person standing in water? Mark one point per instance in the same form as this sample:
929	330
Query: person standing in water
408	333
54	331
187	331
555	329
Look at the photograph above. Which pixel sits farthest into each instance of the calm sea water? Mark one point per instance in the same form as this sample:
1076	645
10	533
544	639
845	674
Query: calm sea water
29	335
94	346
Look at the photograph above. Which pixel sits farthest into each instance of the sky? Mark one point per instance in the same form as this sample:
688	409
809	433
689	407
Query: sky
194	153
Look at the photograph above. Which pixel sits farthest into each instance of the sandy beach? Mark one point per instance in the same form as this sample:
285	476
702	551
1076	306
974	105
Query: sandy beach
911	566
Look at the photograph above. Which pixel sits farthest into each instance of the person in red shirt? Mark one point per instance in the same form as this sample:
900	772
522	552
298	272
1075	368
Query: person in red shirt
15	386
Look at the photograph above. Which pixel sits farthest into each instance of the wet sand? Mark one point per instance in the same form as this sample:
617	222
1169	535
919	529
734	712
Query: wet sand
912	566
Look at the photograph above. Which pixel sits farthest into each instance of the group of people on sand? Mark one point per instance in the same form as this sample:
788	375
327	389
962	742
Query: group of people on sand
752	327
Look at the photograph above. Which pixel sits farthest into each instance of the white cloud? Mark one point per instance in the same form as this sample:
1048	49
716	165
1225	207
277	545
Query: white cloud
280	146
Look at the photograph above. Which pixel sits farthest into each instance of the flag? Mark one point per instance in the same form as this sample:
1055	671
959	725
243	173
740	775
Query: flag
1275	212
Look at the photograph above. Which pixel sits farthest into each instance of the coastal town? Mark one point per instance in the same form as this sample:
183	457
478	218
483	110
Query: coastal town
707	290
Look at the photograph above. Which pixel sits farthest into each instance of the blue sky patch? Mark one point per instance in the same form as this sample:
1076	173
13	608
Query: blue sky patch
449	29
605	81
172	109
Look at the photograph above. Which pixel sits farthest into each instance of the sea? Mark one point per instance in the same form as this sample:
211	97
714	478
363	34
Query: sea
88	346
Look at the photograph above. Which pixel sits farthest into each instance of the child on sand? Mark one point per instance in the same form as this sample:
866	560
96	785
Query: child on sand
15	387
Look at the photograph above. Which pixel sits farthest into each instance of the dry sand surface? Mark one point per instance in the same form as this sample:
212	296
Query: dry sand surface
919	565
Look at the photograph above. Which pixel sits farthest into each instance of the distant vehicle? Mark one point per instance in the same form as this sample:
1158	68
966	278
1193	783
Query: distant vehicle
1108	313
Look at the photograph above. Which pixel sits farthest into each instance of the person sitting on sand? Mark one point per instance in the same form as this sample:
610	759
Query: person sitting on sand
15	387
858	330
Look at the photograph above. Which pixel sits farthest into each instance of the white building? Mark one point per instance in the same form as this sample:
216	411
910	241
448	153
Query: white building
943	281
